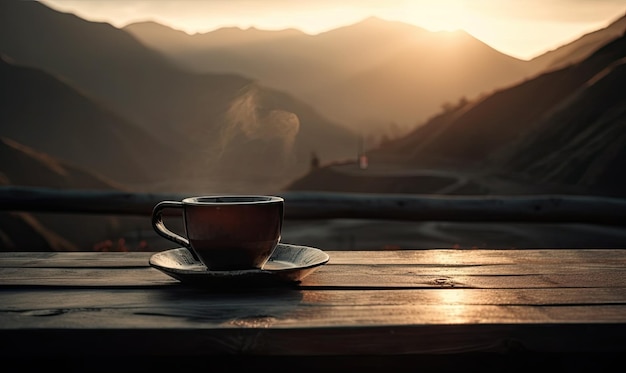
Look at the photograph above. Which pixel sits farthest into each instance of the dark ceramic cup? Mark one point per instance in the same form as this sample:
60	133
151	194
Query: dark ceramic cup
230	232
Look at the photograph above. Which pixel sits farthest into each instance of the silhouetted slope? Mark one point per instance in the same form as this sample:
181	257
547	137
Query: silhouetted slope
583	140
365	75
194	113
564	127
580	48
369	74
25	166
490	124
415	81
175	40
21	231
106	62
47	114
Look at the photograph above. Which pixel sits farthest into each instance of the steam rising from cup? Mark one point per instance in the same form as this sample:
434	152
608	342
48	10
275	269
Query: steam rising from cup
246	117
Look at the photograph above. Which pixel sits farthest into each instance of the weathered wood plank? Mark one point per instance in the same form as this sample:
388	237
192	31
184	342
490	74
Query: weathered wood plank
396	277
84	277
307	309
481	256
494	269
83	259
442	257
324	205
181	299
424	303
343	276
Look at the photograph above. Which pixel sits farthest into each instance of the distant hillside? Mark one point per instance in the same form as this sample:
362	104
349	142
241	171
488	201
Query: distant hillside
565	127
22	231
23	165
225	126
366	76
580	48
561	132
377	77
47	114
582	141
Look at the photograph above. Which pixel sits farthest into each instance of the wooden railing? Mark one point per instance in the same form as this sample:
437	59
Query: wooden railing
323	205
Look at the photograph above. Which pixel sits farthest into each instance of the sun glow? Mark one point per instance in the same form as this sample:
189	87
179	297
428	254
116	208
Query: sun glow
447	15
521	29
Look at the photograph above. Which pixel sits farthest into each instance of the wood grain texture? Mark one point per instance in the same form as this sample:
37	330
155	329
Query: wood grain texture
397	303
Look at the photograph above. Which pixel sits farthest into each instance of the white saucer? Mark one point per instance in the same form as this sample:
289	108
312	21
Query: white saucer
288	263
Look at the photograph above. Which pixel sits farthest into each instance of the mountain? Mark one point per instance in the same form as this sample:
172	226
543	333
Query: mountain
365	75
564	127
376	77
23	165
563	131
23	231
581	141
177	41
49	115
580	48
225	126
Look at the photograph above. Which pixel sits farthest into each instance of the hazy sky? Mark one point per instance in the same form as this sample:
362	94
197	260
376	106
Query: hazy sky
520	28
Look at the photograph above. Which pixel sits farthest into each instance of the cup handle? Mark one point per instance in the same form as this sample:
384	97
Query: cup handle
159	225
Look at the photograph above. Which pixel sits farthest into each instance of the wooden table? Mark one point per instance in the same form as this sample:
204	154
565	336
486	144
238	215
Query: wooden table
370	310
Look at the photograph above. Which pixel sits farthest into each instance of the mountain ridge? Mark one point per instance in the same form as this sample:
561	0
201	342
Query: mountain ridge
190	112
560	132
37	108
347	98
322	68
47	231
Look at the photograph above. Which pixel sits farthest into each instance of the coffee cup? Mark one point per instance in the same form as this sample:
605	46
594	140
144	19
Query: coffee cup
226	232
